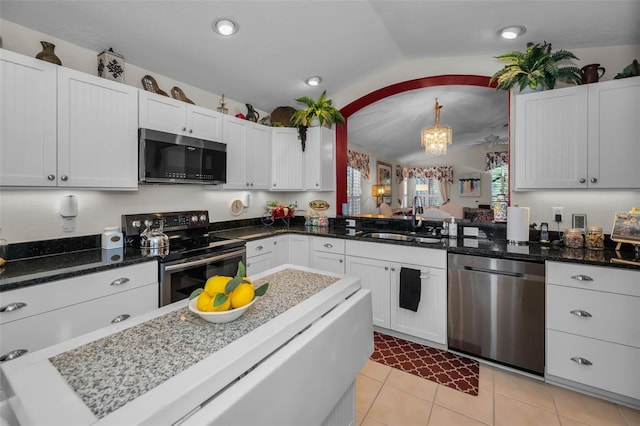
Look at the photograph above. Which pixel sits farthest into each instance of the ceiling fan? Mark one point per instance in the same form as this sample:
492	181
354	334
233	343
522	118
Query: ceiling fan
493	140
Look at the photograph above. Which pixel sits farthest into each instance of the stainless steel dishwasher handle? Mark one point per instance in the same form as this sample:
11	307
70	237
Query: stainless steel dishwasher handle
581	361
492	271
581	277
12	307
581	313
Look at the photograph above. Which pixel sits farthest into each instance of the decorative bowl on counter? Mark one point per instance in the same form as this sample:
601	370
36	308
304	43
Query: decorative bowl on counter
219	317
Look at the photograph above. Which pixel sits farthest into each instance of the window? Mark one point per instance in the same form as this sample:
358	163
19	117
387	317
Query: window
499	182
428	190
354	190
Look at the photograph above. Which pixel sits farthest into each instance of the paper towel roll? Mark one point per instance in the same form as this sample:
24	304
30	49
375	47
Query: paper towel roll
517	225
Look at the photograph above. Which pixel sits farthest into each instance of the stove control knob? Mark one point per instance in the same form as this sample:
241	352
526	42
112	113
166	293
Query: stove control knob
136	224
203	218
194	219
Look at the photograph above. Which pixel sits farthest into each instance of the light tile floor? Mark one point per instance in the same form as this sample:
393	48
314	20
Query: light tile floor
388	396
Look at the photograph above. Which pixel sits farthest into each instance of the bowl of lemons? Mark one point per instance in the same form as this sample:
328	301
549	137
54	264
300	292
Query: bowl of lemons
225	299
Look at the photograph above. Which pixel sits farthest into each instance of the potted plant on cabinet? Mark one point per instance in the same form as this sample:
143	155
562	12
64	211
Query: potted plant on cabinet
318	113
535	68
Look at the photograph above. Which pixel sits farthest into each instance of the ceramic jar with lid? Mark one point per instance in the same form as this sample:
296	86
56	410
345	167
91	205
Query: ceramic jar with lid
594	238
573	238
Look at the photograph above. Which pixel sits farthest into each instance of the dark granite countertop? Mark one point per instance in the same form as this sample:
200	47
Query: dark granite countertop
51	267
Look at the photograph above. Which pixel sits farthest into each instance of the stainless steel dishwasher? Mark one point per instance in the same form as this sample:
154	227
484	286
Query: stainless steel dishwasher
496	310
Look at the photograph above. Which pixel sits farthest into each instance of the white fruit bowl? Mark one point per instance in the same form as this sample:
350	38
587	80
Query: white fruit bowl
219	317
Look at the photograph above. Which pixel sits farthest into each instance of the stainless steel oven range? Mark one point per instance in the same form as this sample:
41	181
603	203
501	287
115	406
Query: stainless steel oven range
194	254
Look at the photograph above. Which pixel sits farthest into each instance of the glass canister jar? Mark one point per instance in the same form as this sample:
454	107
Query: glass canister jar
594	238
573	238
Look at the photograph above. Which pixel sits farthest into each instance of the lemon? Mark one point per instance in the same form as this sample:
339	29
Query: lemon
242	295
204	303
225	306
216	284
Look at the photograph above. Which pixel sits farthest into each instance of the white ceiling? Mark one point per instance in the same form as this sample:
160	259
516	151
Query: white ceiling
280	43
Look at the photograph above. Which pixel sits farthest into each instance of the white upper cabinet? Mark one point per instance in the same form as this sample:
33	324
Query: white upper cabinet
28	153
65	128
248	153
579	137
97	132
319	160
174	116
286	160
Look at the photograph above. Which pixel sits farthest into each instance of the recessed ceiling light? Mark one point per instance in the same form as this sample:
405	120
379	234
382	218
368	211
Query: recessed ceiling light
225	26
512	32
314	81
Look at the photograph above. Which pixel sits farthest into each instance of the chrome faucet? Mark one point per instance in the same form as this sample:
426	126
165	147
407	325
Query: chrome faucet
416	209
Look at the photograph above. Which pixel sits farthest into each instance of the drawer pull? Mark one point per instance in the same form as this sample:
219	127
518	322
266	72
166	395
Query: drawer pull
581	313
581	361
582	277
120	318
12	307
13	355
327	245
259	248
120	281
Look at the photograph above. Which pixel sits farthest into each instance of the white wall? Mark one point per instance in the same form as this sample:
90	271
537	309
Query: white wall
598	205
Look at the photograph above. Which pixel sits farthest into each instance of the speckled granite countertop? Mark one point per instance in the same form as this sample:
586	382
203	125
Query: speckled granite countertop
114	370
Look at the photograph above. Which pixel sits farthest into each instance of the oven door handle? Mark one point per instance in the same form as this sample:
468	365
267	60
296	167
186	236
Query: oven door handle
204	261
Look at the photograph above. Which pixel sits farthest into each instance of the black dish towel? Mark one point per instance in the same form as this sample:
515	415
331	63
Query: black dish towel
410	287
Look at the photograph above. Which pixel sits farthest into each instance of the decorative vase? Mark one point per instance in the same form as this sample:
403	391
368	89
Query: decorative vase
314	122
111	65
252	114
528	89
48	53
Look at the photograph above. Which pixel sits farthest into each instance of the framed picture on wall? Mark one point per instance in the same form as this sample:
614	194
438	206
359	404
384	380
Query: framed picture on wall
383	177
469	185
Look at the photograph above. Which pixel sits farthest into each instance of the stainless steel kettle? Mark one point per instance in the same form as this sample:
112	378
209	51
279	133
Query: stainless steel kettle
153	241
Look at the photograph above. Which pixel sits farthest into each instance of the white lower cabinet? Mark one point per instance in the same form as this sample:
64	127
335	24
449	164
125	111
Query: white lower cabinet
259	256
328	254
39	316
593	333
379	266
298	250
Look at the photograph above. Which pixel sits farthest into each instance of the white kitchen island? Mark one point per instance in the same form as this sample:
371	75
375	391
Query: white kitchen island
292	358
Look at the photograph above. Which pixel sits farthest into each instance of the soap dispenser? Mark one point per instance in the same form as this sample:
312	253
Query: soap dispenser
453	228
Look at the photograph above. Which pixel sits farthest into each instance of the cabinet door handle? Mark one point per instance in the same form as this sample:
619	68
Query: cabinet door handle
581	313
386	268
275	242
190	130
251	183
120	318
582	277
120	281
12	307
328	245
340	260
184	129
393	269
64	177
594	180
583	180
581	361
12	355
247	183
51	177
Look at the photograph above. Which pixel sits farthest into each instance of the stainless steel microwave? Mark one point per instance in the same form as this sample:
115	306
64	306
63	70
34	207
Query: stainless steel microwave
169	158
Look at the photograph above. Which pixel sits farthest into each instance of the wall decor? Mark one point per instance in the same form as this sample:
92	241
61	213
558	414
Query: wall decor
48	53
469	185
111	65
383	178
626	228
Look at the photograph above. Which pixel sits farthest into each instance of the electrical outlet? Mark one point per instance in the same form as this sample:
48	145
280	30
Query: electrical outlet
555	211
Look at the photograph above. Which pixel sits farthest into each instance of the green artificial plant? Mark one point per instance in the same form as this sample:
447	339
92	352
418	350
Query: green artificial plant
321	109
538	65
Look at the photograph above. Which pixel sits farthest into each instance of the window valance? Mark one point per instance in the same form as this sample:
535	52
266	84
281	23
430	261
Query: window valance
440	173
359	161
497	159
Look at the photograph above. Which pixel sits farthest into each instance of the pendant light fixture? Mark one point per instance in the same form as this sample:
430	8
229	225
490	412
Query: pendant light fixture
435	139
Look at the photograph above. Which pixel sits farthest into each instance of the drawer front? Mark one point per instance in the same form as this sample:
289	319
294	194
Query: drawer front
40	331
604	316
259	247
435	258
328	245
614	368
601	278
55	295
330	262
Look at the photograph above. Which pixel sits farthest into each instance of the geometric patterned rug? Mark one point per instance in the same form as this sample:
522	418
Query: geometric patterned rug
433	364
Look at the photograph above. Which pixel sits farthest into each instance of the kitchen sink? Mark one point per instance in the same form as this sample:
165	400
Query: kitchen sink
402	237
389	236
